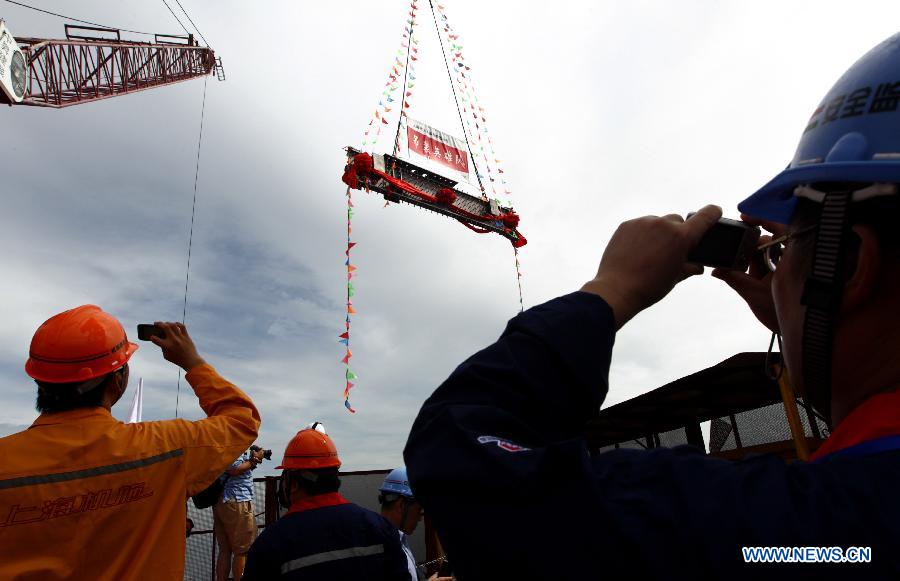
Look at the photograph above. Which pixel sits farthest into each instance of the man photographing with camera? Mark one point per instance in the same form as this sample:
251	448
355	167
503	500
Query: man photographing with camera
94	498
509	422
235	523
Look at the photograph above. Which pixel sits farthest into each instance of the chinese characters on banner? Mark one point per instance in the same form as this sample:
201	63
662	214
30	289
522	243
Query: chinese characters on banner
437	146
13	73
5	44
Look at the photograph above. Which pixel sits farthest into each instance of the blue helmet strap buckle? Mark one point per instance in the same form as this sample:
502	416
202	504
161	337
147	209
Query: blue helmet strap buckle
822	294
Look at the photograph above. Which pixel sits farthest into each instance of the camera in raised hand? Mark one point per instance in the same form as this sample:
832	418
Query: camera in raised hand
261	453
728	244
147	330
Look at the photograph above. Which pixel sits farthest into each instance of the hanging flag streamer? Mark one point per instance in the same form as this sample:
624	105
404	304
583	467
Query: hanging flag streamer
401	69
476	126
467	98
476	122
412	55
344	338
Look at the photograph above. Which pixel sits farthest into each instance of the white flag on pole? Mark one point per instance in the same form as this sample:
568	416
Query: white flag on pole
137	406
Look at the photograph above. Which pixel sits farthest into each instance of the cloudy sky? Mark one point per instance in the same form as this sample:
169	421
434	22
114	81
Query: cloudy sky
600	111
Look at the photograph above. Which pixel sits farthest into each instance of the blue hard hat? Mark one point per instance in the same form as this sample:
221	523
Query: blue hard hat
853	135
396	482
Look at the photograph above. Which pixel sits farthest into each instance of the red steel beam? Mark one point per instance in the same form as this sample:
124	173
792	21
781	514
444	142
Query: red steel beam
62	73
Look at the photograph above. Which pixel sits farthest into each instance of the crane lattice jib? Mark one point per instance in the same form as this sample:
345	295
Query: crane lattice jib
69	72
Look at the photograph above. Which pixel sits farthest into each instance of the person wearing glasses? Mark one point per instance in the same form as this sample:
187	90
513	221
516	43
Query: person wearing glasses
497	454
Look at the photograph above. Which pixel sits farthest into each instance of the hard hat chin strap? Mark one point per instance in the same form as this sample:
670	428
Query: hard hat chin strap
405	512
822	296
283	492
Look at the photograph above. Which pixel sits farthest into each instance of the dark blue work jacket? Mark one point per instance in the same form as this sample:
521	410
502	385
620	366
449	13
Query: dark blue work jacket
327	541
498	460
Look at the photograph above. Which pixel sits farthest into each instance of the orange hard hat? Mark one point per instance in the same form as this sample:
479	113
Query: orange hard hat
310	449
78	345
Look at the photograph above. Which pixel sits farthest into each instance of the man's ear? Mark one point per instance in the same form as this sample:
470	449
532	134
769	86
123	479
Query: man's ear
115	387
863	268
122	382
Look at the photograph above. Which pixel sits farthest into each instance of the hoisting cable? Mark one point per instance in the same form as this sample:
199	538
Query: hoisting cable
453	88
176	18
192	22
187	273
78	19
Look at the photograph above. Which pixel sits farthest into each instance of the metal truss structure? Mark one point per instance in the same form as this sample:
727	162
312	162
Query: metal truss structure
83	68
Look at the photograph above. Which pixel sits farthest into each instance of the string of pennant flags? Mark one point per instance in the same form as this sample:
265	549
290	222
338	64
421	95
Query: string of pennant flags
404	61
475	113
411	43
389	101
344	337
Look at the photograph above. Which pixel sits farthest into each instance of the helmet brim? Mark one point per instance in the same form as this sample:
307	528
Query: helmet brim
74	372
776	202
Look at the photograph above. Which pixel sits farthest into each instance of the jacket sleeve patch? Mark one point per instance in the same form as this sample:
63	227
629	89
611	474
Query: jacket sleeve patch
502	444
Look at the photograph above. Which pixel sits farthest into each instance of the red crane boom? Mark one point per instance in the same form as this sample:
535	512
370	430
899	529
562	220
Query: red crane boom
80	68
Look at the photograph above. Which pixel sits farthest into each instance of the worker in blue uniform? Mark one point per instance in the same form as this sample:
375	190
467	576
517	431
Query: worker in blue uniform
400	507
323	537
497	454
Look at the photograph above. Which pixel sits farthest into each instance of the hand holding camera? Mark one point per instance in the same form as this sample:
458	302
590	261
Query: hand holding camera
177	346
646	258
257	455
755	286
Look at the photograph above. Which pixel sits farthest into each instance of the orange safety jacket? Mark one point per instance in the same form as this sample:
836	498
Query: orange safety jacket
85	496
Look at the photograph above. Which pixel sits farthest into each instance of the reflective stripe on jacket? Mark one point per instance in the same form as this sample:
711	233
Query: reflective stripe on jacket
85	496
324	538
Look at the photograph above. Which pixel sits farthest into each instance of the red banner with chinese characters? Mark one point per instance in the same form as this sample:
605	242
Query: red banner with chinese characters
437	146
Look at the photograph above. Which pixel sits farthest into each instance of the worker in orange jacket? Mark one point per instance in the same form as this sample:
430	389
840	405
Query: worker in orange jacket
84	496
